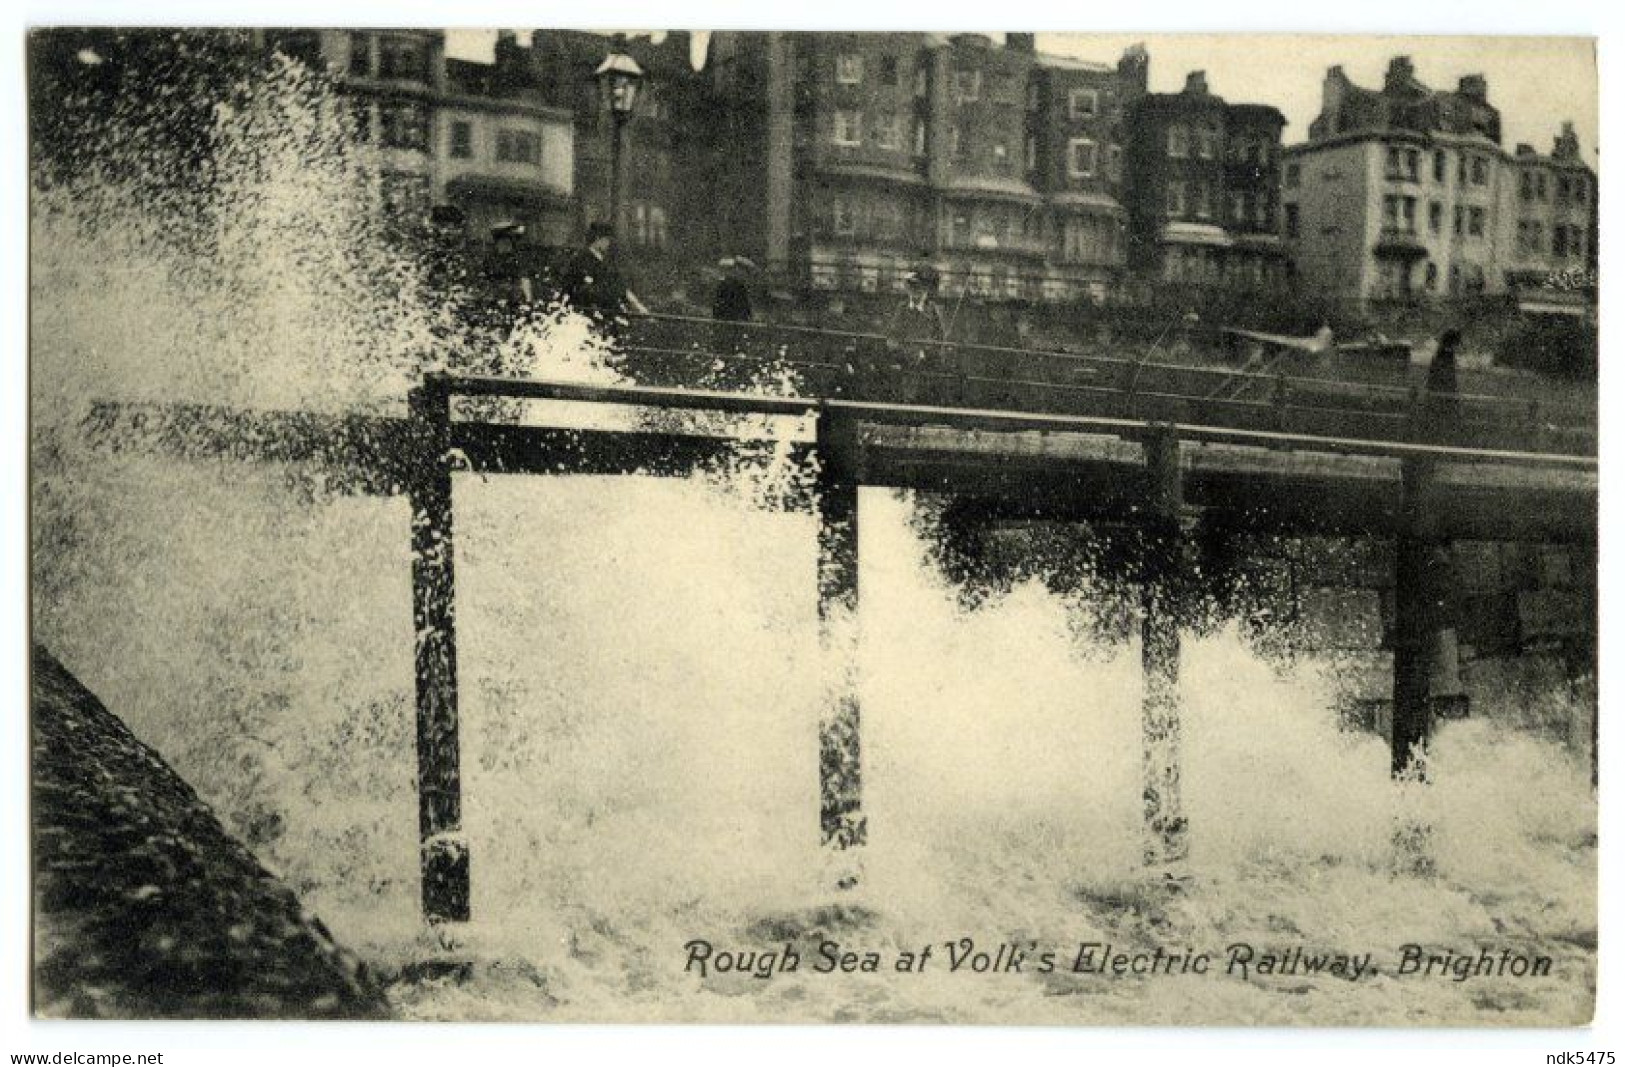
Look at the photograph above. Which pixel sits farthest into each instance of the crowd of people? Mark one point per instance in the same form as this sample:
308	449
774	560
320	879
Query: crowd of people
591	282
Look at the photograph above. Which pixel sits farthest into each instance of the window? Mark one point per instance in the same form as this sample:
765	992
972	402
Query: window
404	125
1176	198
919	137
361	54
1580	190
1030	152
518	146
657	226
462	140
1455	278
1001	155
1560	240
1292	220
1461	215
849	68
886	131
1435	216
1409	212
1294	175
1204	201
888	220
1080	158
1082	104
1481	171
1390	212
848	127
1179	142
1238	208
1207	142
1540	187
1114	162
1526	186
1562	190
967	85
1032	96
888	70
1461	173
404	195
1441	164
362	114
1262	213
1536	237
846	217
956	143
1431	282
1475	221
1404	164
404	58
922	79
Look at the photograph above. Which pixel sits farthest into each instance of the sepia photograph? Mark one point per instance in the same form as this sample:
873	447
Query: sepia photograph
903	526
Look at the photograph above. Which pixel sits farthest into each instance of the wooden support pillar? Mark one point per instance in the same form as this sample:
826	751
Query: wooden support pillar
842	824
444	851
1427	683
1583	557
1161	589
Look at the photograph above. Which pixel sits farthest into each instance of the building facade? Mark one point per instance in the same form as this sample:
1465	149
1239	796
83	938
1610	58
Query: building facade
1203	180
849	158
1405	194
658	138
478	137
1549	213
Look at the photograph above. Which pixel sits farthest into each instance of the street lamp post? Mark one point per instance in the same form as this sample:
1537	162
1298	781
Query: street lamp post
619	77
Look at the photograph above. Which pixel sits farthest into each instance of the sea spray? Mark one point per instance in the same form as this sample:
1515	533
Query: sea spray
640	678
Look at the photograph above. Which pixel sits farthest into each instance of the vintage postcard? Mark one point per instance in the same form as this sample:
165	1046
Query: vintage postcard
840	527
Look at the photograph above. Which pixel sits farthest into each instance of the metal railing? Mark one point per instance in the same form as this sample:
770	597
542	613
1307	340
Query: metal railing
674	350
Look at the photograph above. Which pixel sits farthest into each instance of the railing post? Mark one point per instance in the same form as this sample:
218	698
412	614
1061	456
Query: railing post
842	824
444	851
1162	588
1426	666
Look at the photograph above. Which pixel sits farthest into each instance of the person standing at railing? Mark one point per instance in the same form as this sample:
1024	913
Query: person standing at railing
914	338
592	284
732	303
1441	401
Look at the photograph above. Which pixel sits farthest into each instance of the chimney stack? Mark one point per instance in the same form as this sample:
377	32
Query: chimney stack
1401	72
1135	70
1196	83
1474	87
1567	144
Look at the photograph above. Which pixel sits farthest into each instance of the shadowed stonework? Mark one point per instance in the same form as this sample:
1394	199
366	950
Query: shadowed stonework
144	906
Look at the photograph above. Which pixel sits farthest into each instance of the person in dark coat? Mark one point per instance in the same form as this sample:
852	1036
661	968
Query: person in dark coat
732	303
913	340
591	284
1441	407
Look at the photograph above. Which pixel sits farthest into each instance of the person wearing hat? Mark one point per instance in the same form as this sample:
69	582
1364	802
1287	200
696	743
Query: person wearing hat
917	328
591	284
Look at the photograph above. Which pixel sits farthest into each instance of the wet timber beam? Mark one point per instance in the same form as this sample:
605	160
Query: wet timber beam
1426	670
1162	585
842	824
443	848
